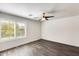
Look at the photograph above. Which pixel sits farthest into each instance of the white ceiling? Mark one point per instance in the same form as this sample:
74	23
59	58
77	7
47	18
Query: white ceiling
36	9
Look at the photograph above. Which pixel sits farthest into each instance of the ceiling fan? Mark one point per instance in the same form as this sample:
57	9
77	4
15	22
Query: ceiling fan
45	17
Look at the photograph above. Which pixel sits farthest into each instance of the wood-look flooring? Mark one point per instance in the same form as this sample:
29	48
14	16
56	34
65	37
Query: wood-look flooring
42	48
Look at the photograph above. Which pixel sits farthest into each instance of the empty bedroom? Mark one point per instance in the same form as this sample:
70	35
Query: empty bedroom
39	29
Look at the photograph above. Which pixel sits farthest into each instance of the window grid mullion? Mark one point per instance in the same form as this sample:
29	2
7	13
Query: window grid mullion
14	30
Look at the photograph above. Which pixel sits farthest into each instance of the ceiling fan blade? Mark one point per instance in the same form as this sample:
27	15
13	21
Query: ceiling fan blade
46	18
49	16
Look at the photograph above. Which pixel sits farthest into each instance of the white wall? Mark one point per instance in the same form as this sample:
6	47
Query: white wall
33	31
63	30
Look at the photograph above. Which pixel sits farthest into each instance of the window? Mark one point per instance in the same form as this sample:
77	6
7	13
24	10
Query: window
10	30
7	29
20	29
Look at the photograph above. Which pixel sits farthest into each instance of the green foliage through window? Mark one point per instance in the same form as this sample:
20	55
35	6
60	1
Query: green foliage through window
12	29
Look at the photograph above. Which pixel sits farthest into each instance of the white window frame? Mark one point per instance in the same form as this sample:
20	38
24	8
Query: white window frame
14	37
24	29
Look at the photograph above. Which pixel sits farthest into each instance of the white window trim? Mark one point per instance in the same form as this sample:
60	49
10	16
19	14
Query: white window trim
13	38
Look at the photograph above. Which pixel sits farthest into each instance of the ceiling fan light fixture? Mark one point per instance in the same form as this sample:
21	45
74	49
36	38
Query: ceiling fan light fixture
43	19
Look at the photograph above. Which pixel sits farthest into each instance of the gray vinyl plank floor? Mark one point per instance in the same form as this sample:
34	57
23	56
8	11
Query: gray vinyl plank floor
42	48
